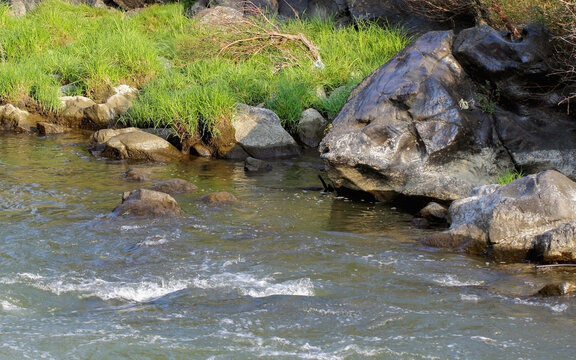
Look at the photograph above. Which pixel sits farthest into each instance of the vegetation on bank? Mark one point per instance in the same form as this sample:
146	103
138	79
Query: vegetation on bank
190	74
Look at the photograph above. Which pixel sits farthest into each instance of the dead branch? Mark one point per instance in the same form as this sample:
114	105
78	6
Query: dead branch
276	35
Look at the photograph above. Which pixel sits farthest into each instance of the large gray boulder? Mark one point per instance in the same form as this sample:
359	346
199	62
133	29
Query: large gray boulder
532	218
144	202
259	134
133	144
448	114
405	131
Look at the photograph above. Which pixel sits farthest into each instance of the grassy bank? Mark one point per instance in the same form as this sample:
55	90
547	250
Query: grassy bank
190	74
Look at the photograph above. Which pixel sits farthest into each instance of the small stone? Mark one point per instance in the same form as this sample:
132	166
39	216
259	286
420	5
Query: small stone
45	128
175	186
136	175
219	198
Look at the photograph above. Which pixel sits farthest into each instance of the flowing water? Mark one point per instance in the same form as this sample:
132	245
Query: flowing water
286	273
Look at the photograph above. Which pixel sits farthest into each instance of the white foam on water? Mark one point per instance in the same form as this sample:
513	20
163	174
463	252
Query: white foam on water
106	290
8	306
450	280
250	285
153	241
554	307
470	298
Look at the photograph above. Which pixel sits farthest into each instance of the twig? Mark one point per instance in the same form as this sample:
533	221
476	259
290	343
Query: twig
276	35
555	265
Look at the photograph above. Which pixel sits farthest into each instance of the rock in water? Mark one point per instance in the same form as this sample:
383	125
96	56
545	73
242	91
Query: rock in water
532	218
219	198
175	186
143	202
134	144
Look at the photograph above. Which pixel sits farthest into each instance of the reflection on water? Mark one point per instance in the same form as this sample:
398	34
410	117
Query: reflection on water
287	273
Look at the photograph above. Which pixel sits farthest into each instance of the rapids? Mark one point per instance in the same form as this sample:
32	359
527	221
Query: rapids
286	273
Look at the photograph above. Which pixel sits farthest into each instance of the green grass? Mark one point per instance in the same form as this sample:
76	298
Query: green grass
187	80
509	175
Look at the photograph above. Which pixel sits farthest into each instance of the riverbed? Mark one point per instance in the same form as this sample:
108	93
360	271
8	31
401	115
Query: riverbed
286	273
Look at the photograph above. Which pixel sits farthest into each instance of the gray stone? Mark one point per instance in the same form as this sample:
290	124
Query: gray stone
45	128
311	127
144	202
16	120
403	130
532	218
131	143
260	134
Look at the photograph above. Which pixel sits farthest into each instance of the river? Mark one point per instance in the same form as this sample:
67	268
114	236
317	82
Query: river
286	273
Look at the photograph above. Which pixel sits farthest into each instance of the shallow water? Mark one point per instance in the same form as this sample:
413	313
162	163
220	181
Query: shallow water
285	274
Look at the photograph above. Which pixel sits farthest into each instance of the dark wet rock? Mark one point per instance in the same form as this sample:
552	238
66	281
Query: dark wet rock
403	130
136	174
259	133
421	126
143	202
174	186
256	165
493	55
46	128
558	289
532	218
420	223
219	198
311	127
134	144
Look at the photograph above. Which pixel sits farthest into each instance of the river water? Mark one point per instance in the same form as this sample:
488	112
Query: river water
286	273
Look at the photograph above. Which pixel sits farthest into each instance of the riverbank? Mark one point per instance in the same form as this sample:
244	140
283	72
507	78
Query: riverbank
190	71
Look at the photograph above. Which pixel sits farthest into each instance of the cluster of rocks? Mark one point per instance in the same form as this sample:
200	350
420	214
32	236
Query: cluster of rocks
78	112
158	201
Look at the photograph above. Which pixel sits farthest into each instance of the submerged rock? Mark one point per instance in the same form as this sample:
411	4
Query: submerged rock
136	175
143	202
174	186
219	198
532	218
133	144
558	289
256	165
